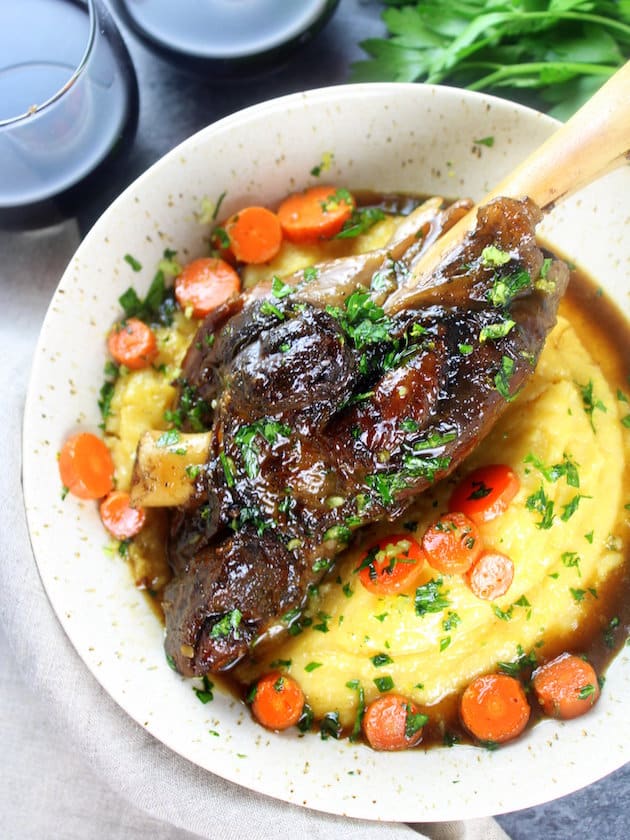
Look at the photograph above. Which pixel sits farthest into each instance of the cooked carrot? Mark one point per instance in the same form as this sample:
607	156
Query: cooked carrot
204	284
394	564
452	543
86	467
485	493
278	701
132	343
566	687
494	708
317	213
255	234
392	722
119	517
491	576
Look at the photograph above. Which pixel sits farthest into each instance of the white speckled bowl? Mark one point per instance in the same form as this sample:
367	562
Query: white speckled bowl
385	137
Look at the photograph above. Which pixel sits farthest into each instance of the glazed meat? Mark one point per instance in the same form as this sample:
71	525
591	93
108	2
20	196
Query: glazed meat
328	412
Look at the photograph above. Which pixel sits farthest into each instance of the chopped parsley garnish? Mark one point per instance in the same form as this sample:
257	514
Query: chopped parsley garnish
431	597
168	438
589	403
330	726
502	378
310	273
504	615
306	719
444	643
572	560
159	304
493	256
246	439
204	694
312	666
380	659
323	618
340	196
228	624
414	722
567	468
523	662
228	468
539	503
505	288
362	320
133	262
569	509
586	691
190	411
361	220
355	685
268	308
384	684
492	332
451	621
279	289
106	393
485	141
610	631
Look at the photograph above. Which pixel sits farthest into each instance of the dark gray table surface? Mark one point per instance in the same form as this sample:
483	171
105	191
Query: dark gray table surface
174	103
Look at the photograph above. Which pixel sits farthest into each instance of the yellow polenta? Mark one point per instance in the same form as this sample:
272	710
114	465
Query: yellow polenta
558	569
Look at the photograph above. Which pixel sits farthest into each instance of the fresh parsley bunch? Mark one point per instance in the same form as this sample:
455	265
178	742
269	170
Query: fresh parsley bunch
552	54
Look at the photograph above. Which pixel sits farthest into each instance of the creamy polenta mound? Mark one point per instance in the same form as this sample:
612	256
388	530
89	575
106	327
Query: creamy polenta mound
565	541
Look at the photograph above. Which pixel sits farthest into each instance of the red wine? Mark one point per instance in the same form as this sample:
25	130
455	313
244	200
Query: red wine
218	30
55	147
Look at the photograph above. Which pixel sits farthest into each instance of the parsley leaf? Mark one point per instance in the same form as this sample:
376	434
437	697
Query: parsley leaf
431	598
557	52
589	403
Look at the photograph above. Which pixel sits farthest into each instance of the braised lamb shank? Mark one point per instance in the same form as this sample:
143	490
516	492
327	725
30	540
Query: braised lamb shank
328	412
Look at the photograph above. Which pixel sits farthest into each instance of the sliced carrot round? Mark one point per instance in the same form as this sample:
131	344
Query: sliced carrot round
491	576
278	701
393	722
566	687
205	284
255	234
132	343
86	467
485	493
452	543
317	213
494	708
121	519
394	564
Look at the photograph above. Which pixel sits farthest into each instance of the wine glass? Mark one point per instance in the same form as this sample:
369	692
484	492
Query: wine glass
224	36
68	103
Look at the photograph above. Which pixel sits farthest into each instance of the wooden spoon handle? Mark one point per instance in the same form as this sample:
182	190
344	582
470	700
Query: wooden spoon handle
595	140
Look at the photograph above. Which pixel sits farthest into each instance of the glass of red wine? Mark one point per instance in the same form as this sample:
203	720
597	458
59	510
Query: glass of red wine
68	103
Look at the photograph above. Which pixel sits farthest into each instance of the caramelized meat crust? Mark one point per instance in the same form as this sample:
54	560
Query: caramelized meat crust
326	417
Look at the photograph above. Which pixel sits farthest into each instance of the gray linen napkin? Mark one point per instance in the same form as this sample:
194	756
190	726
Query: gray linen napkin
73	764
